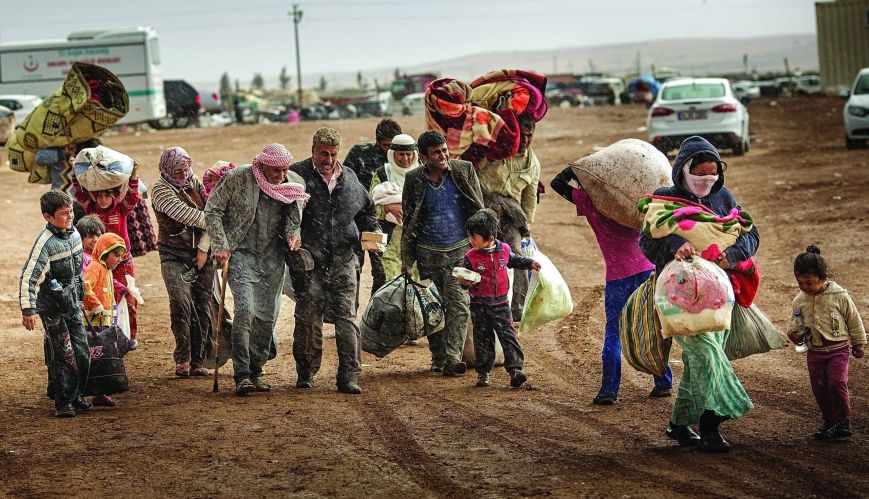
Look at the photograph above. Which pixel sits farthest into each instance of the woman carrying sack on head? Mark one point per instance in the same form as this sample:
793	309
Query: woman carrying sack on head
709	391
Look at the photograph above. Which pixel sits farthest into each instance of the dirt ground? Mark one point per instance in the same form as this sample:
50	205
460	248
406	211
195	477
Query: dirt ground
414	434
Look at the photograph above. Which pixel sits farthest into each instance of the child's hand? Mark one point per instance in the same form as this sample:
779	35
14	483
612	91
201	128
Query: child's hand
857	351
795	337
535	265
135	174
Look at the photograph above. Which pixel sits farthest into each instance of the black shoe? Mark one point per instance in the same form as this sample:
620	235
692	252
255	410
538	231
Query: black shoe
842	429
483	380
350	387
713	443
64	412
190	275
243	387
603	400
305	383
517	378
437	367
823	431
683	434
81	404
660	392
454	370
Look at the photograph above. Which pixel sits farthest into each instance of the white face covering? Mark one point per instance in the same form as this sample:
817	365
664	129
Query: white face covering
699	185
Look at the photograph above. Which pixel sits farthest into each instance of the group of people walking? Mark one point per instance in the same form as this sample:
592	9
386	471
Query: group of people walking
438	214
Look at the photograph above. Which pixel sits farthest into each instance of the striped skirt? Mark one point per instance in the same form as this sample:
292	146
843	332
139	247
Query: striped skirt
708	381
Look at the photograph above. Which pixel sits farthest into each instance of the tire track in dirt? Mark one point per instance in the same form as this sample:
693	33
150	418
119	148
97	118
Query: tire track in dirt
406	452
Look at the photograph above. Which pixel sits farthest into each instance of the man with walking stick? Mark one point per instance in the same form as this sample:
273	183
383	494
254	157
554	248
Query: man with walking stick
253	219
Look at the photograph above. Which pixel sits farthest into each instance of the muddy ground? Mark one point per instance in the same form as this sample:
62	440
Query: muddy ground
415	434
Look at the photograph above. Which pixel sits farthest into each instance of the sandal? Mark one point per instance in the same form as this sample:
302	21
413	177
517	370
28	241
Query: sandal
182	370
244	387
261	386
199	371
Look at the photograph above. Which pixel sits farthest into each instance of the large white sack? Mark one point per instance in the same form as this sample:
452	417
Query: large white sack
100	168
617	176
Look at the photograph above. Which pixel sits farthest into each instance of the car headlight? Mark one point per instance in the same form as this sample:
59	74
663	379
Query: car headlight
858	111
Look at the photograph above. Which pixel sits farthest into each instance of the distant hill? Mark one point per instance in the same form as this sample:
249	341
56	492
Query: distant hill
692	56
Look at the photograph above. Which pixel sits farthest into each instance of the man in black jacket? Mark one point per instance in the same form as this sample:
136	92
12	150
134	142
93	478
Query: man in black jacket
338	205
364	160
437	201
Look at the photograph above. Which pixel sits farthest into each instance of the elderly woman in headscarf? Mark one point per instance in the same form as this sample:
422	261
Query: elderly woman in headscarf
386	186
179	203
253	219
709	391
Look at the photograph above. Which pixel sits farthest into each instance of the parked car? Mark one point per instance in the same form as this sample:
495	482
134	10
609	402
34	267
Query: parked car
20	105
856	112
7	124
210	102
746	88
602	91
808	84
698	106
566	94
182	105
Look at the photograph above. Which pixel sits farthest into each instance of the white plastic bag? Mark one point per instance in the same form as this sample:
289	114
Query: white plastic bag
693	297
548	297
122	312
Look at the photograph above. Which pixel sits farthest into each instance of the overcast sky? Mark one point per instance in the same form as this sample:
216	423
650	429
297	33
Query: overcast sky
200	39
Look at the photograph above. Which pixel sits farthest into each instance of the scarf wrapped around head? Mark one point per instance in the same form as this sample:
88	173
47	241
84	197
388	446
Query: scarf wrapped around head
286	192
172	161
213	175
395	173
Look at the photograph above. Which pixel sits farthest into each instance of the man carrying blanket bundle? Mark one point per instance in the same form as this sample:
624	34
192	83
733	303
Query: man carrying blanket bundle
252	218
339	207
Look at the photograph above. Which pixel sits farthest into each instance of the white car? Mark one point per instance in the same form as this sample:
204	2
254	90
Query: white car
698	106
21	105
857	112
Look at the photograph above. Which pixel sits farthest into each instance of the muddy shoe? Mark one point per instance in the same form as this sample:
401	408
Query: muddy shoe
81	404
683	434
437	367
65	412
842	429
660	392
603	400
483	380
305	383
454	370
198	371
713	443
517	379
350	387
182	370
243	387
261	385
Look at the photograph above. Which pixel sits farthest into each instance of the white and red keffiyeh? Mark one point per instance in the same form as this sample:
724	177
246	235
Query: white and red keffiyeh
286	192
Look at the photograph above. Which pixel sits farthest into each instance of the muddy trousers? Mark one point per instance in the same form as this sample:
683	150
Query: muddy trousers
333	287
489	321
378	274
191	306
616	294
446	346
257	305
828	375
69	359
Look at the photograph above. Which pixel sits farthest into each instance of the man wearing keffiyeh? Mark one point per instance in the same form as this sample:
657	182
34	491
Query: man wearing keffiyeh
253	218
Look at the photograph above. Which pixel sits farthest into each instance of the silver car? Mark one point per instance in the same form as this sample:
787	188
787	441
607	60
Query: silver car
21	105
698	106
856	112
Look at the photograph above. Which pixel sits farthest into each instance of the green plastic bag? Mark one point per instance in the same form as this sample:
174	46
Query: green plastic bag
750	333
548	297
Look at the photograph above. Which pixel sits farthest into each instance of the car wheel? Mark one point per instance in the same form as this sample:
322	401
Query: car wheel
164	123
738	148
564	104
182	122
853	143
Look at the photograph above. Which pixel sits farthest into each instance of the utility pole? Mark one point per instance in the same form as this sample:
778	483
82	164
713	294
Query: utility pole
297	18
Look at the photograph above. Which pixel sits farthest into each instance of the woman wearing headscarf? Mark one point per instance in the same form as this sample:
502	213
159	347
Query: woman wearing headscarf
179	203
253	219
386	186
709	391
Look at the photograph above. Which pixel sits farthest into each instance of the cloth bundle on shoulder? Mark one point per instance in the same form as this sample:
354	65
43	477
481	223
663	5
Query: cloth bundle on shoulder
750	333
643	345
480	120
619	175
400	310
107	374
548	297
90	100
100	168
692	297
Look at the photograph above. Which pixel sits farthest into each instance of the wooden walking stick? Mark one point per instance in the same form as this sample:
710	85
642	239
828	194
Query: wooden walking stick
219	328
